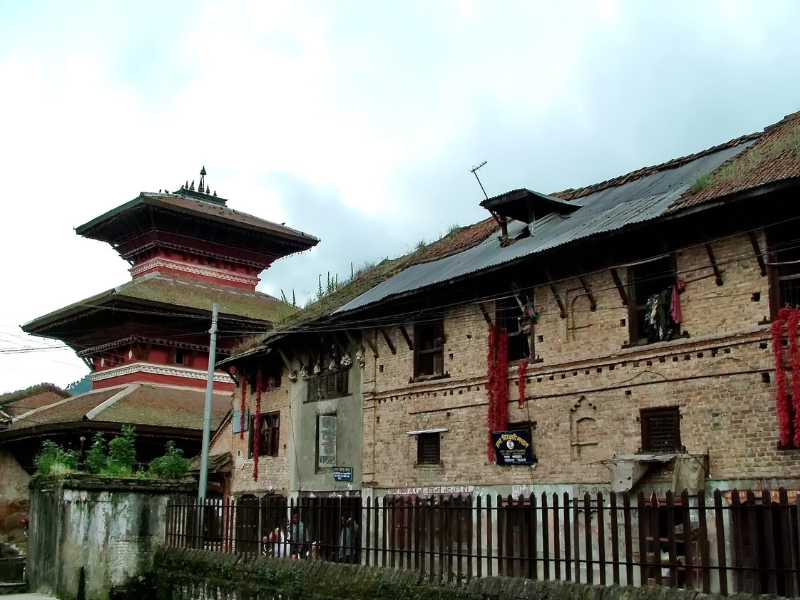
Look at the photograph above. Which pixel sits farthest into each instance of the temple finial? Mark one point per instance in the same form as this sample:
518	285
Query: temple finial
202	179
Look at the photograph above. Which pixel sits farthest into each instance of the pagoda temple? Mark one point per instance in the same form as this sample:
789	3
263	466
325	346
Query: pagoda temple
146	342
187	250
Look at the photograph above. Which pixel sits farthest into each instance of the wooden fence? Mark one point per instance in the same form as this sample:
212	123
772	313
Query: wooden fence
737	541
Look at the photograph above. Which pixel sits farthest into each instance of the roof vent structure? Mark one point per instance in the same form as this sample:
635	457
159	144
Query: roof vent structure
526	206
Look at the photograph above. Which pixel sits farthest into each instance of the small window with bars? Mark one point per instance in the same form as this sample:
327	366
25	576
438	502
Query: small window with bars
266	433
428	449
328	384
661	430
429	349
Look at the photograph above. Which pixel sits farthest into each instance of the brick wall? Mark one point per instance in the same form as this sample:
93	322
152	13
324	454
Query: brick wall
273	471
587	392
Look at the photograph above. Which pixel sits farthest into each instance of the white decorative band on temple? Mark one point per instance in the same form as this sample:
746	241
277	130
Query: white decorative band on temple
157	370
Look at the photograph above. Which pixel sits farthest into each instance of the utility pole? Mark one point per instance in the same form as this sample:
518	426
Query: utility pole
212	351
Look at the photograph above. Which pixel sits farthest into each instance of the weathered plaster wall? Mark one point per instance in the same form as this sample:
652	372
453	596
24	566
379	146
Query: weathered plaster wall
93	532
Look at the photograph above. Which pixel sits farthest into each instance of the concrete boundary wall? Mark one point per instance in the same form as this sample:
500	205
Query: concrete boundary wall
181	574
89	533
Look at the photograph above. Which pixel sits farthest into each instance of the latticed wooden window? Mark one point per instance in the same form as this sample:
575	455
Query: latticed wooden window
428	449
328	385
661	430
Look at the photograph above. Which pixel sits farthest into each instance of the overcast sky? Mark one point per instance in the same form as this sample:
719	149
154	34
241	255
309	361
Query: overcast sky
356	122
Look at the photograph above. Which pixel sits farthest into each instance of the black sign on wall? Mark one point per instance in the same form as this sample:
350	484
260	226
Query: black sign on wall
513	447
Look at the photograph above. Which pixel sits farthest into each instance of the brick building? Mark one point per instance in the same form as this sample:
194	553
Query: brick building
625	326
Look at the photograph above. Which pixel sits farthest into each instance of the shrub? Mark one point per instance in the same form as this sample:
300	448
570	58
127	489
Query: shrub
96	456
172	465
121	453
54	459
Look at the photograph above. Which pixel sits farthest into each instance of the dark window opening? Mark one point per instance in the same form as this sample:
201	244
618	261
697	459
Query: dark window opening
784	266
328	384
661	430
651	319
428	449
181	356
518	328
429	349
266	433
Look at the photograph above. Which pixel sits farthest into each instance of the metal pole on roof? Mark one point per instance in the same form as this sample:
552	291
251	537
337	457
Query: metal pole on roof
212	352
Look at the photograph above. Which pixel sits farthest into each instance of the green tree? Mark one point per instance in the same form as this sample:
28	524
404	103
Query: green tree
54	459
122	453
170	466
95	460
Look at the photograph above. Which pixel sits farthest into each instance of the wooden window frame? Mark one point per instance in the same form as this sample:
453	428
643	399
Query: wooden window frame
635	307
646	415
336	385
270	446
424	438
509	312
776	237
421	334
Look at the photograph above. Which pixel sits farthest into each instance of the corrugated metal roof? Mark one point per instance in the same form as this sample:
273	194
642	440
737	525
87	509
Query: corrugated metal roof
601	212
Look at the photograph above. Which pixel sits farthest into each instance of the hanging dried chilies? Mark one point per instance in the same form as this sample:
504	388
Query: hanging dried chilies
523	366
256	433
794	361
243	408
781	400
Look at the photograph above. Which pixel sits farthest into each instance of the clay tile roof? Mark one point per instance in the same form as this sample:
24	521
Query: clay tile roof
166	406
133	404
774	157
456	241
36	396
67	411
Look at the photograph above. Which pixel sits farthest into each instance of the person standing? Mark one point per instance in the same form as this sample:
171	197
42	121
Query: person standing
348	538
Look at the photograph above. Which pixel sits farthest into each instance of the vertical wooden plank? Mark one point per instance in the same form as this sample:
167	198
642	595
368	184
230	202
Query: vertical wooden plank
442	537
719	522
545	539
702	539
587	516
642	518
376	517
671	544
785	519
601	539
470	531
687	539
368	530
567	536
459	526
769	542
507	564
655	537
430	508
756	549
577	538
489	534
479	536
533	516
556	537
613	523
384	526
627	534
416	532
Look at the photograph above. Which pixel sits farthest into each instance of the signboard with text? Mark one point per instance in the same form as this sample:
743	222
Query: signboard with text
343	473
513	447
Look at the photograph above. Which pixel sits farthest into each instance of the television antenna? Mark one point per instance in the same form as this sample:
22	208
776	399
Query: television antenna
474	171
